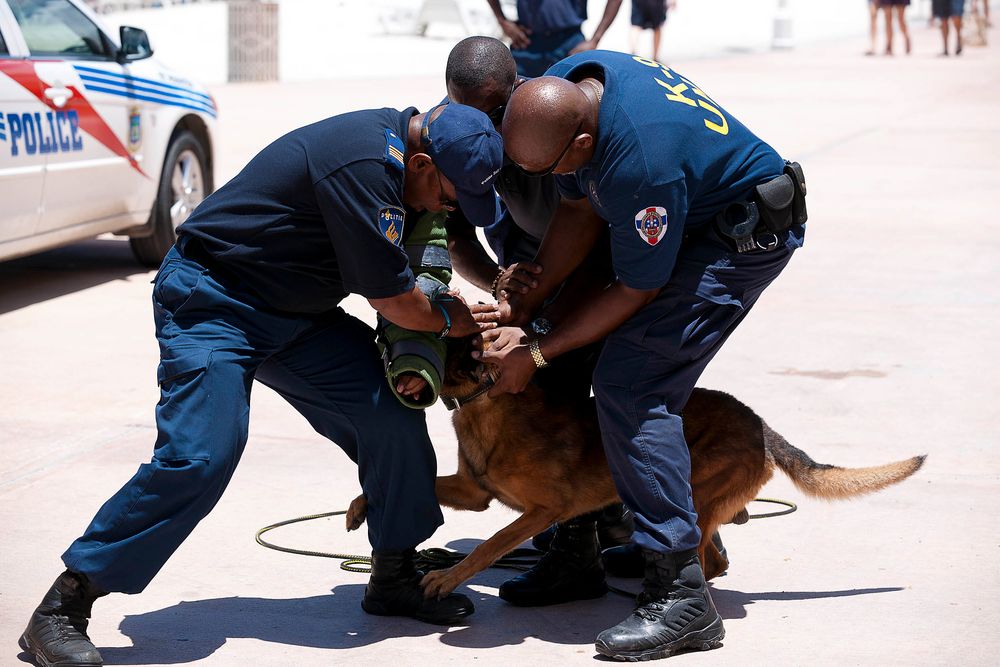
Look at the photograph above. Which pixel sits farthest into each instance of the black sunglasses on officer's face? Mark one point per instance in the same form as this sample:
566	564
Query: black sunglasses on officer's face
443	200
552	167
496	115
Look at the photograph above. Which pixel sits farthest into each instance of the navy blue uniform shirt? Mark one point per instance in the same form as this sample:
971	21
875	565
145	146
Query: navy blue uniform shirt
667	157
551	15
316	215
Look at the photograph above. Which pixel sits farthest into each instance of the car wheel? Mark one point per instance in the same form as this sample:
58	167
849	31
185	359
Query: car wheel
184	183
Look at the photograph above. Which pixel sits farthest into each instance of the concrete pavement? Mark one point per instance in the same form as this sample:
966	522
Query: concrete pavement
878	342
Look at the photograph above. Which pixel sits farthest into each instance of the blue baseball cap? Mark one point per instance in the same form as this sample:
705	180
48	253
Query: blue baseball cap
468	150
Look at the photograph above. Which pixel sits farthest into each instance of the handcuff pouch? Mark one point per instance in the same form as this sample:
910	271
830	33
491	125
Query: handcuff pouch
781	201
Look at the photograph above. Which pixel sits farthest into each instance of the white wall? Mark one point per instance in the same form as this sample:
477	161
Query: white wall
324	39
191	39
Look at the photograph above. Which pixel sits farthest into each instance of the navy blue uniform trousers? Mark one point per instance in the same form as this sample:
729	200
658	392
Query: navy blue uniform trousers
215	340
650	365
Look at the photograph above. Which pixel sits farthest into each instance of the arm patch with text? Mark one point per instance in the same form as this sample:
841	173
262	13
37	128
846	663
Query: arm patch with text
390	223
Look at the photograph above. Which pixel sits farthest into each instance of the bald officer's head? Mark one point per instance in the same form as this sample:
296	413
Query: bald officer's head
551	125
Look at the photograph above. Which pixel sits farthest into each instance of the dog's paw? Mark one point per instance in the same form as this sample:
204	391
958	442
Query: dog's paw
356	512
439	583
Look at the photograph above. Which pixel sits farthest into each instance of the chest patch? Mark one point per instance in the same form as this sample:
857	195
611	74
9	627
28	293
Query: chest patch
651	223
390	223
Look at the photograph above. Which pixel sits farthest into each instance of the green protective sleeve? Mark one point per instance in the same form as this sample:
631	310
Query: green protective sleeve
419	353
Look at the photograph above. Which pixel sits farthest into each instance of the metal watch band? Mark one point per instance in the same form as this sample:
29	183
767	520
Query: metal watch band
536	355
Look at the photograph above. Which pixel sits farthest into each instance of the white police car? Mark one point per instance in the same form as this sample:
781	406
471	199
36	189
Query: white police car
95	136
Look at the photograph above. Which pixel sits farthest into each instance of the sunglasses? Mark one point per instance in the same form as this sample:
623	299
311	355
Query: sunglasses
446	204
552	167
496	114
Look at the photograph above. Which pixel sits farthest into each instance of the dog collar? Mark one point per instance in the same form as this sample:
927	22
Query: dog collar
456	402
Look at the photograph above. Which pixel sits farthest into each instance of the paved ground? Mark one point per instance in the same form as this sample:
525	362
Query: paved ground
878	343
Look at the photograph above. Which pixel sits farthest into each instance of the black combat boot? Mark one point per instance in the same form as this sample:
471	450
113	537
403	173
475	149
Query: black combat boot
570	570
624	561
675	612
56	635
615	524
394	590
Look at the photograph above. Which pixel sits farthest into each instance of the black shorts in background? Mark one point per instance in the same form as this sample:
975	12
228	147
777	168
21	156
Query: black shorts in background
649	13
944	9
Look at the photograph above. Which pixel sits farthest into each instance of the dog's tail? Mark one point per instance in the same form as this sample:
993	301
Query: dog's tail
833	482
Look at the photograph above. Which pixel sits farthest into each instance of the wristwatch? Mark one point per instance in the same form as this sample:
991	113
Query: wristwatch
541	326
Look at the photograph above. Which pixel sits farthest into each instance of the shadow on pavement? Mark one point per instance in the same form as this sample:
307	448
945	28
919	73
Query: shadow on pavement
191	631
65	270
733	604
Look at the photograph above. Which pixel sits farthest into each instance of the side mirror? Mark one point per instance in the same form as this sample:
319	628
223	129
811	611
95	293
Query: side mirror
135	45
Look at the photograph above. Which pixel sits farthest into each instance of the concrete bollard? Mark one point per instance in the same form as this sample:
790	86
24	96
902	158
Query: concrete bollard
783	38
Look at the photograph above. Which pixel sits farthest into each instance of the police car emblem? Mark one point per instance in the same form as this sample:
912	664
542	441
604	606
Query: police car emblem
651	223
134	129
390	223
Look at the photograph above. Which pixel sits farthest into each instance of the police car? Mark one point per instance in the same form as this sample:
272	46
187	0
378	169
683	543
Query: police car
95	136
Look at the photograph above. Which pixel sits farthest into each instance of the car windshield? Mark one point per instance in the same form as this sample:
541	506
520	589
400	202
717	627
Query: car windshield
57	28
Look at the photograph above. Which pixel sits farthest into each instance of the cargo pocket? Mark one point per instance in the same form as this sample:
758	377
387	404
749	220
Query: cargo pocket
184	414
180	361
716	281
174	286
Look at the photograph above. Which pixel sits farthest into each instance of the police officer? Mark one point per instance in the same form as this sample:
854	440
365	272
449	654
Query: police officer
251	291
546	31
481	73
702	217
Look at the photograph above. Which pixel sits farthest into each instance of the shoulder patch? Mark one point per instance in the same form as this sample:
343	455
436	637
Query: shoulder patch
390	223
651	223
394	148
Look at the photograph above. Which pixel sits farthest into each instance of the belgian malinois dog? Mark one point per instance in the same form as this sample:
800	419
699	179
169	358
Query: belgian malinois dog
542	455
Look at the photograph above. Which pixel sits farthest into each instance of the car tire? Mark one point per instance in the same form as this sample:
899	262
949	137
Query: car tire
184	182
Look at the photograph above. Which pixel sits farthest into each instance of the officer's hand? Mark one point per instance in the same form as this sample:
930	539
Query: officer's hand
518	34
586	45
512	312
410	385
467	320
501	338
518	277
515	365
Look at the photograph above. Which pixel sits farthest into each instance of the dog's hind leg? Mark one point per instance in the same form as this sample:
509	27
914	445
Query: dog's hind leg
441	582
356	512
461	492
713	563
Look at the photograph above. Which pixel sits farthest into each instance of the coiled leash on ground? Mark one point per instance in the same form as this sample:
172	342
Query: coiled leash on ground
436	558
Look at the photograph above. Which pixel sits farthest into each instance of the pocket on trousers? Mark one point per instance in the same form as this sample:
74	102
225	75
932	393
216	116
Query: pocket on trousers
180	361
174	286
183	415
695	280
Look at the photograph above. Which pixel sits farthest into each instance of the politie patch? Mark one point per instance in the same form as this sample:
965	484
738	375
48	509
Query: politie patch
651	223
390	223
